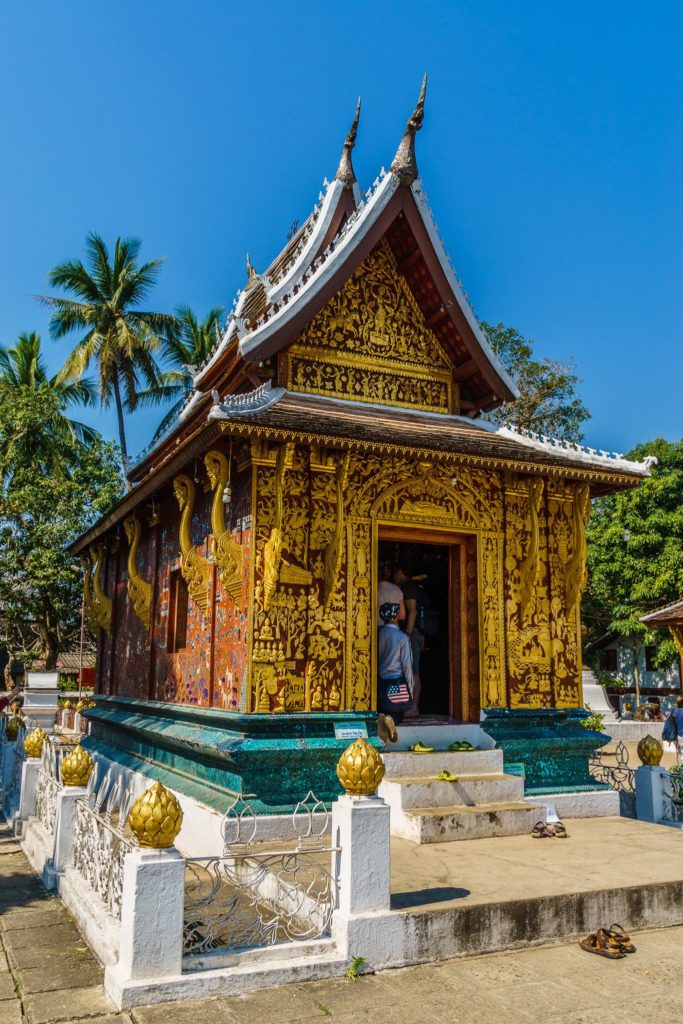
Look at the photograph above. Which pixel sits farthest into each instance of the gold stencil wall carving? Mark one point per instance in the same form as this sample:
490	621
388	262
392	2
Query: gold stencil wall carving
370	343
313	640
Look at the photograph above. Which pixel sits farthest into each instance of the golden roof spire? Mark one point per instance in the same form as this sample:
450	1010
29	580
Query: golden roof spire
345	171
404	164
251	273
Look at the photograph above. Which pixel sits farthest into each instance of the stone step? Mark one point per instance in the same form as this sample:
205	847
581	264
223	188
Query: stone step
450	824
470	789
404	763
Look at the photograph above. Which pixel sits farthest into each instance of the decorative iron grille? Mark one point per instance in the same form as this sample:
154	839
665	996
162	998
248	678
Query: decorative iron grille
673	799
254	895
48	786
100	842
613	768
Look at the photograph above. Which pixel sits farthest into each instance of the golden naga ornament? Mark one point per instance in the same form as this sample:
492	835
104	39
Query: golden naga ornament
650	751
156	817
194	567
227	553
101	603
360	769
33	744
12	728
77	767
139	590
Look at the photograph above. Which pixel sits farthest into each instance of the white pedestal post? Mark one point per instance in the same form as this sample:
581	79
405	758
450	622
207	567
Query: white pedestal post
64	827
360	826
650	792
29	781
151	943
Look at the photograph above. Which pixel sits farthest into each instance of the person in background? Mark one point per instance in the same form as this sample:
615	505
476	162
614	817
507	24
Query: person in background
394	670
412	596
388	592
678	719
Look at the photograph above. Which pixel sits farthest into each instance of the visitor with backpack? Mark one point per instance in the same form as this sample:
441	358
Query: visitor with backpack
413	597
673	728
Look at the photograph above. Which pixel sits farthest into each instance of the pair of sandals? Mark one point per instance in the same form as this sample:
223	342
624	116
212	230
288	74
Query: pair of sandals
613	943
554	831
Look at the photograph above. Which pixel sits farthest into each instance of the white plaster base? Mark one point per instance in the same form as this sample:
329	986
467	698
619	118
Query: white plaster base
97	924
39	845
598	803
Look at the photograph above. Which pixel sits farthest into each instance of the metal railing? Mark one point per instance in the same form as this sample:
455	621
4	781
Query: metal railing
673	799
48	786
613	768
100	840
255	895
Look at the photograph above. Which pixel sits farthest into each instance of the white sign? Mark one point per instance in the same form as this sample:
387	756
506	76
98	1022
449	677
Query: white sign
346	731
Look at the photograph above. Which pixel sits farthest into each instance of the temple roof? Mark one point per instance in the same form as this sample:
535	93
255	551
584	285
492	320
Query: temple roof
672	615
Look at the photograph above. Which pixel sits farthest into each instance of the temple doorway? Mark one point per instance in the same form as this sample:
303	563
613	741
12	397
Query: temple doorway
434	562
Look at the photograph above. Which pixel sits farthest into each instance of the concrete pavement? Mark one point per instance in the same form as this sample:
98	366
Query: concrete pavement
48	975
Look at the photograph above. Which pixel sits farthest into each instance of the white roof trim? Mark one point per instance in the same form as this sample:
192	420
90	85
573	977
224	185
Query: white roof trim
577	452
353	232
417	188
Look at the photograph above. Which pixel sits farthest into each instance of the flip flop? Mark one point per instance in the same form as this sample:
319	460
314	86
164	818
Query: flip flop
420	748
622	938
560	831
446	776
542	831
601	944
461	745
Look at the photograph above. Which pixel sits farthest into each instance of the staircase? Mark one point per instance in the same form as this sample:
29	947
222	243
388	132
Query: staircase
483	803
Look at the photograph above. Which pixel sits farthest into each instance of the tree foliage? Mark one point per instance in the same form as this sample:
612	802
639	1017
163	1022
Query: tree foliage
44	506
120	337
187	346
548	402
635	552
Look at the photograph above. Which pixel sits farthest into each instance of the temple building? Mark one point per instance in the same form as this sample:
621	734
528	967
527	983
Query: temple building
339	423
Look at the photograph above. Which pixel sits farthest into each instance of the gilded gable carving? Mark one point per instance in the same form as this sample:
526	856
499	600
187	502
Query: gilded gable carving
370	343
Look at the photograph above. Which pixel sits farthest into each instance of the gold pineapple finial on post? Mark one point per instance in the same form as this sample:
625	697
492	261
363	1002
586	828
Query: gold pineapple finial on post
12	727
77	767
360	769
650	750
33	744
156	817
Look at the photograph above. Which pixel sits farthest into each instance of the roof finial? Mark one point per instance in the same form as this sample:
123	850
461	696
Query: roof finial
251	273
345	170
404	164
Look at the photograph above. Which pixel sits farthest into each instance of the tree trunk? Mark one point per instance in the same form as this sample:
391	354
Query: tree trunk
122	427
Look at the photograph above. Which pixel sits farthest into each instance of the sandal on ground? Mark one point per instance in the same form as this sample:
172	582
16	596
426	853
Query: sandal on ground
601	944
420	748
622	938
560	831
446	776
542	831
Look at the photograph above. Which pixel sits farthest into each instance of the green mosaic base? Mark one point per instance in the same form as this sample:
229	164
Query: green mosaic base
271	761
551	743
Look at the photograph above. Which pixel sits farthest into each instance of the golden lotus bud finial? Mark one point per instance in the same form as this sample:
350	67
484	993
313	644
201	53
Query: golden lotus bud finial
156	817
33	744
76	767
12	728
80	705
650	750
360	769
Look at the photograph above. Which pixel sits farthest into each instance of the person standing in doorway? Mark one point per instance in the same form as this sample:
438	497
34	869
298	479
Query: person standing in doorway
677	714
394	670
412	596
388	592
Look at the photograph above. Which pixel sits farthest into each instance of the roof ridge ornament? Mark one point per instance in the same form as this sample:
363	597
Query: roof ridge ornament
345	172
404	164
252	276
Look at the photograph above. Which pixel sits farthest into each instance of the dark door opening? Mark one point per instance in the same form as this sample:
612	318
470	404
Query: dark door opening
431	567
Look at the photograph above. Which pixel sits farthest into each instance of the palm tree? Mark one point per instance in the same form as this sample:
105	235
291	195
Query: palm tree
186	347
120	338
22	372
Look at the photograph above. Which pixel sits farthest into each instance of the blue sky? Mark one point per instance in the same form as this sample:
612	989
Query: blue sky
551	152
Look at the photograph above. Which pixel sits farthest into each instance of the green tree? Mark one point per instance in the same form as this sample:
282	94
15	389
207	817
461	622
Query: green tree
43	509
44	445
188	345
121	339
548	402
635	552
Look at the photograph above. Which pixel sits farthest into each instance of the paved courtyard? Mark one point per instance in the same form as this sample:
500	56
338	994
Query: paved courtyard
48	974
